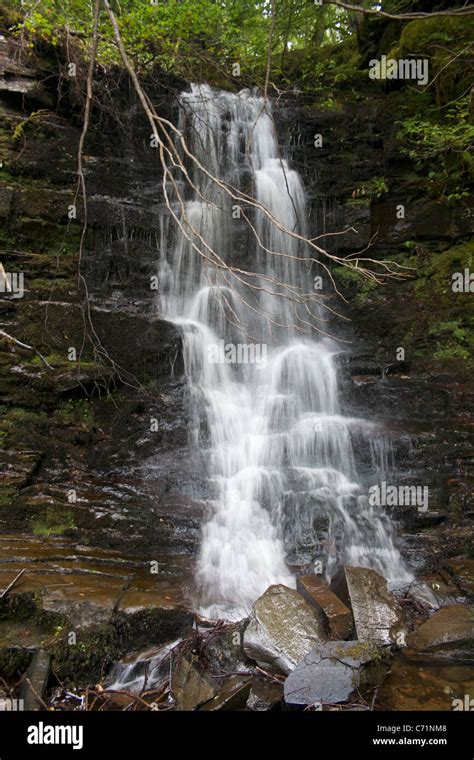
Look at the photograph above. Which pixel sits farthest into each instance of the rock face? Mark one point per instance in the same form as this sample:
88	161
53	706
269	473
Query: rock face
17	75
337	617
283	628
377	614
451	627
327	674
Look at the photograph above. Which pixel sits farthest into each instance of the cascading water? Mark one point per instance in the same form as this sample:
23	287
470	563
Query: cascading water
278	453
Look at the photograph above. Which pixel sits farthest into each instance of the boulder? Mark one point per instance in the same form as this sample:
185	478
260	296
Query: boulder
328	674
337	617
452	627
378	616
283	628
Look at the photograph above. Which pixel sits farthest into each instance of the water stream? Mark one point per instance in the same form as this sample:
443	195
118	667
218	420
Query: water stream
266	418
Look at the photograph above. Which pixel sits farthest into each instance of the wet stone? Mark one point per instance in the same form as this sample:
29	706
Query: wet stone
418	682
378	616
231	696
189	687
452	627
337	617
328	674
36	680
264	695
283	628
463	573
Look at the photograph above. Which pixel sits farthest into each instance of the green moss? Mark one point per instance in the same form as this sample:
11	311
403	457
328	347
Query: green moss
435	271
357	286
74	411
451	350
445	42
40	287
360	651
8	494
442	322
53	522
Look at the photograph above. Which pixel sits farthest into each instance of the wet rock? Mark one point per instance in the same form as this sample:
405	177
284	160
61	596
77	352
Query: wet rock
463	573
166	595
283	628
86	602
156	343
264	695
436	590
377	614
142	670
189	687
418	682
451	627
93	587
232	696
19	467
224	649
328	674
36	680
18	72
337	617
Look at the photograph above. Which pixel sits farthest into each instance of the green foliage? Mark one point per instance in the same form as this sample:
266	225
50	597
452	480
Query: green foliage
455	339
74	411
374	189
442	150
190	37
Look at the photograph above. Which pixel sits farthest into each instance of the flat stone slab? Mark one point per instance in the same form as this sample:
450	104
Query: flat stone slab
89	585
450	628
328	674
283	628
337	617
167	595
378	616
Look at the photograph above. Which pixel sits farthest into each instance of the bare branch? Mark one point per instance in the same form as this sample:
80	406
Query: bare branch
410	16
11	339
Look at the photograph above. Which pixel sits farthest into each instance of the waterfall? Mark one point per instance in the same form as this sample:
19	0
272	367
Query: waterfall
278	453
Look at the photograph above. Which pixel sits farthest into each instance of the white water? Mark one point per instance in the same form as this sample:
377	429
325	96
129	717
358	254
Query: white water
278	452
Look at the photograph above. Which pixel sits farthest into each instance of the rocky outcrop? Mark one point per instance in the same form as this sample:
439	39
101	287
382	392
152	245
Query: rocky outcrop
19	71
